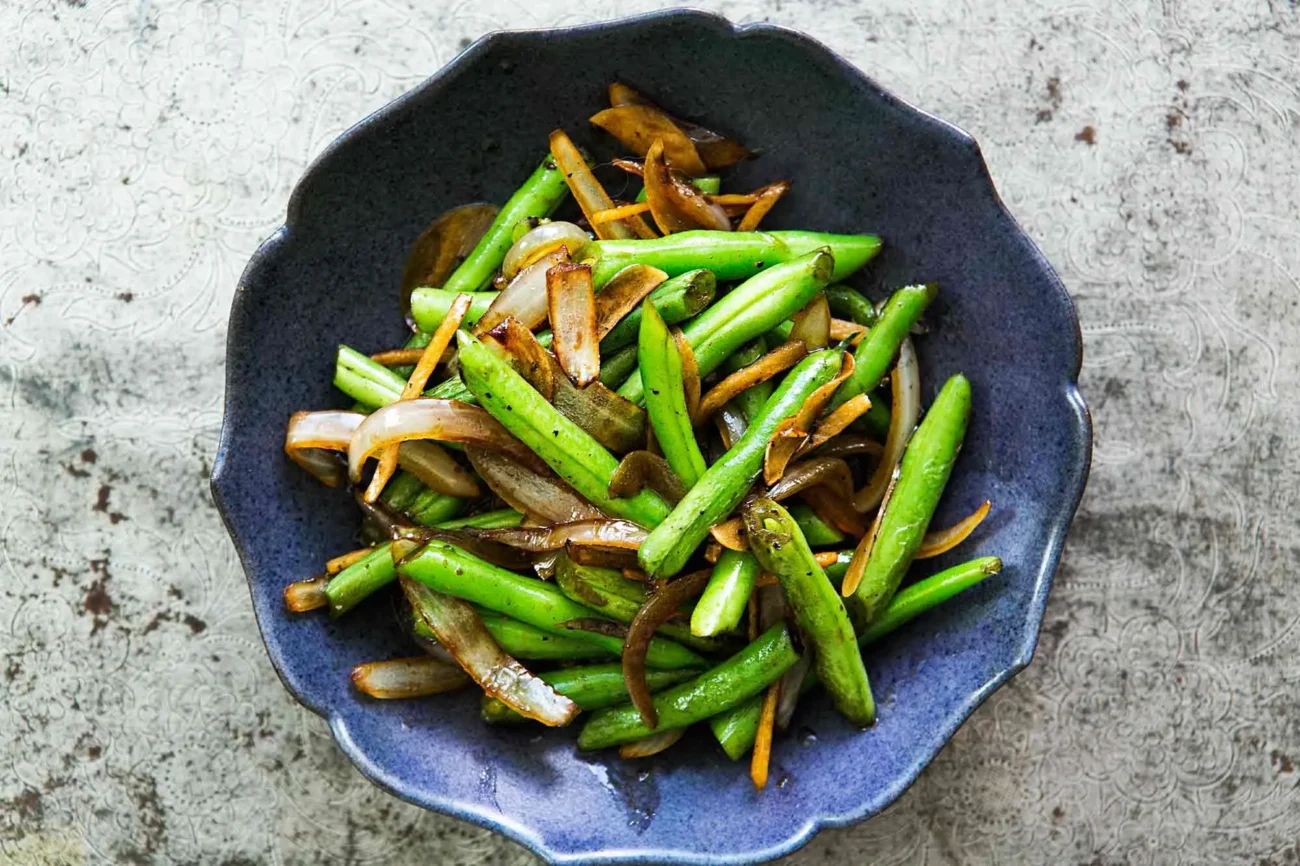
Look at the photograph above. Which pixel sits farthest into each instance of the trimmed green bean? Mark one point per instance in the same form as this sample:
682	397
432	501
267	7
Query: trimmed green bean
431	508
736	728
591	687
723	602
366	381
615	369
401	490
748	311
666	549
781	548
677	299
746	673
524	641
500	519
448	569
540	195
877	350
730	255
452	388
660	363
922	474
850	304
359	580
818	532
709	184
429	306
568	449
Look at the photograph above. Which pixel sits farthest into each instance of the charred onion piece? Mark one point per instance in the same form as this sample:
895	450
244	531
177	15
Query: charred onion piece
657	610
641	469
441	247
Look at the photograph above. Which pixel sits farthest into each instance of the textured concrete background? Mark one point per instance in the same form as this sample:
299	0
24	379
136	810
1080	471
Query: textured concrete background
1151	148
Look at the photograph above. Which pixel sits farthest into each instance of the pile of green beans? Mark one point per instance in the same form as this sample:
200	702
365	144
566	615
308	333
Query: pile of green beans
585	616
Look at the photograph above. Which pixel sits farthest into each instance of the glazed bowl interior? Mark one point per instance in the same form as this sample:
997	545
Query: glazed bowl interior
861	161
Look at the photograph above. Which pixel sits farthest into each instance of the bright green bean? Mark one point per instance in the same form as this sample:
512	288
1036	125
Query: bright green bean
568	449
359	580
500	519
723	602
922	474
666	549
660	363
850	304
615	369
878	349
429	306
677	299
364	380
818	532
746	673
591	687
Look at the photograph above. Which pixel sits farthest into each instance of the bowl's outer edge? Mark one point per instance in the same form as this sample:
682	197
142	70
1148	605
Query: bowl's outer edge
495	820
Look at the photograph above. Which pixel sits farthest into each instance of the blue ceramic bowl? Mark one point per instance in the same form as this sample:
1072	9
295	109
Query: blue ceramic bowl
861	160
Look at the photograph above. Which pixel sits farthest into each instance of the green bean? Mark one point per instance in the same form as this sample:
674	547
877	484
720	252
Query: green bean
452	388
676	299
723	602
524	641
540	195
429	307
835	571
818	532
366	381
736	728
591	687
401	491
748	311
500	519
615	369
781	548
850	304
666	549
922	474
660	362
448	569
359	580
709	184
750	401
608	592
730	255
877	350
876	421
568	449
422	505
746	673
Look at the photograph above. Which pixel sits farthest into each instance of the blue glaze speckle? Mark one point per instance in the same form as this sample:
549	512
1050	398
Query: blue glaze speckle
861	160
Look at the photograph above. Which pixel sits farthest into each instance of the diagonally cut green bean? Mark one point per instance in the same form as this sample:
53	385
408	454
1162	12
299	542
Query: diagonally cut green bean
660	363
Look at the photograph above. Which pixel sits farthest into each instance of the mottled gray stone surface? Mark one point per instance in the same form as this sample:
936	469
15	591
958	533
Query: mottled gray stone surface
1152	149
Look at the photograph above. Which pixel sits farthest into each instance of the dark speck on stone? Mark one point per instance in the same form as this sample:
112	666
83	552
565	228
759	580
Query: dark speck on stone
89	456
196	625
1087	135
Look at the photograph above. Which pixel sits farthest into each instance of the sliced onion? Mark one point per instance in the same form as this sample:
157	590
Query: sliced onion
304	595
944	540
676	205
657	610
426	418
835	509
731	424
641	469
832	472
715	149
690	373
906	386
812	324
571	304
544	566
599	556
623	293
527	490
589	194
793	432
528	357
430	462
407	678
486	549
537	242
631	166
842	329
441	248
791	684
730	534
622	211
836	422
849	445
459	629
389	523
862	553
768	196
310	437
651	745
772	364
636	574
524	297
338	563
638	127
605	532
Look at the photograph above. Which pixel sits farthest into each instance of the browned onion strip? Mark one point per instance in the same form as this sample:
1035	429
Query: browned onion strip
459	629
430	462
441	248
407	678
636	574
849	445
641	469
529	358
657	610
530	491
623	293
851	331
304	595
310	436
426	418
596	625
832	472
484	548
768	196
638	127
690	373
338	563
712	551
731	424
836	422
775	362
605	532
398	357
944	540
619	212
631	166
651	745
730	534
836	510
906	409
791	434
716	150
676	205
590	195
524	297
571	303
812	324
734	199
861	553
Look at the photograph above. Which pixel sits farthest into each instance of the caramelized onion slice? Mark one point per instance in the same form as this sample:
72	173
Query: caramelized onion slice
441	248
589	194
835	509
768	196
623	293
715	149
944	540
407	678
812	324
858	564
676	205
310	437
524	297
906	410
660	607
537	242
772	364
793	432
571	304
832	472
528	490
604	532
836	422
304	595
430	462
638	127
651	745
641	469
